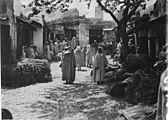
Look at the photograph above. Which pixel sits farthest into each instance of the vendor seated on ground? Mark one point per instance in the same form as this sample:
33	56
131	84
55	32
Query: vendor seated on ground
37	54
29	50
32	52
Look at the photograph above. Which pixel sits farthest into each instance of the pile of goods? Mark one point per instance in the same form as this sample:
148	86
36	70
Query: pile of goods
27	71
137	86
137	81
142	87
138	112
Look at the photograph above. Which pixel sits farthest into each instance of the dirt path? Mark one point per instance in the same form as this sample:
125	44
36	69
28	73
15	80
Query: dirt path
82	100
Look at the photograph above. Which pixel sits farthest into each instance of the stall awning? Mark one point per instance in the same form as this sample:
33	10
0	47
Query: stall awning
26	22
159	21
109	29
96	27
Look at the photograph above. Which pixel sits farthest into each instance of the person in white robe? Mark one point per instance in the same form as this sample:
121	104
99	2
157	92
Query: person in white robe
78	57
99	65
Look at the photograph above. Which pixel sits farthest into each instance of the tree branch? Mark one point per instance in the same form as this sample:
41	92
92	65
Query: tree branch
120	2
108	11
125	11
136	5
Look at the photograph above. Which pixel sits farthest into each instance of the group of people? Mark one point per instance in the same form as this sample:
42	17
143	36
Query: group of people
87	56
73	57
50	49
53	48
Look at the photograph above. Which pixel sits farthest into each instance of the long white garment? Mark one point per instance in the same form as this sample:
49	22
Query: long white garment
99	67
56	50
162	103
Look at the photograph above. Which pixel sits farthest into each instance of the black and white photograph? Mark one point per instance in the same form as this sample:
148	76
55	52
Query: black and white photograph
84	59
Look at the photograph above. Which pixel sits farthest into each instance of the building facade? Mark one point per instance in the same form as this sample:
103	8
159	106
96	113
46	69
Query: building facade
16	31
109	35
7	32
150	30
85	29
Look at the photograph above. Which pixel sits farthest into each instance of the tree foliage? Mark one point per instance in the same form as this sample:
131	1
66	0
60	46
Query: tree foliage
50	5
126	7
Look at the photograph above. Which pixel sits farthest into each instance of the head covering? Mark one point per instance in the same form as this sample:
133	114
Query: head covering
66	48
100	49
78	47
88	46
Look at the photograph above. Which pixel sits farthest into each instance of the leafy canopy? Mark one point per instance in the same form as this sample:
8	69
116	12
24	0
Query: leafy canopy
126	7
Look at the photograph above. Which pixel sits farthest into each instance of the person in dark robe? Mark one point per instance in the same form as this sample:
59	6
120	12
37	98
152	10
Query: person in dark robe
36	53
68	66
99	66
56	49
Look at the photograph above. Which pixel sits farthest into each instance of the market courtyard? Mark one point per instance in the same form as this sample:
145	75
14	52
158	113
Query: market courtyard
83	100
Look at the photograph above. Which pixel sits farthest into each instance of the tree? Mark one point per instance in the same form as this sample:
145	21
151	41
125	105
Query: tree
127	8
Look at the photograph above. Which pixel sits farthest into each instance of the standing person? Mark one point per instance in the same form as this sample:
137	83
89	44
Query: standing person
66	42
162	110
89	56
68	66
56	50
94	49
78	57
77	42
99	66
63	44
47	51
102	44
110	47
72	43
51	47
84	50
60	46
113	49
23	53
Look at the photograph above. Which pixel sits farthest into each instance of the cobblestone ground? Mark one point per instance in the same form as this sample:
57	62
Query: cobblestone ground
82	100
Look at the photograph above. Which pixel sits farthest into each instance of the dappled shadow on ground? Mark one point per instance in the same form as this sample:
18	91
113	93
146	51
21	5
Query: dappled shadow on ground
77	101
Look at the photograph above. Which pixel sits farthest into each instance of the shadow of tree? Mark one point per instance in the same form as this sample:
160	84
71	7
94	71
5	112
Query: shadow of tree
72	99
